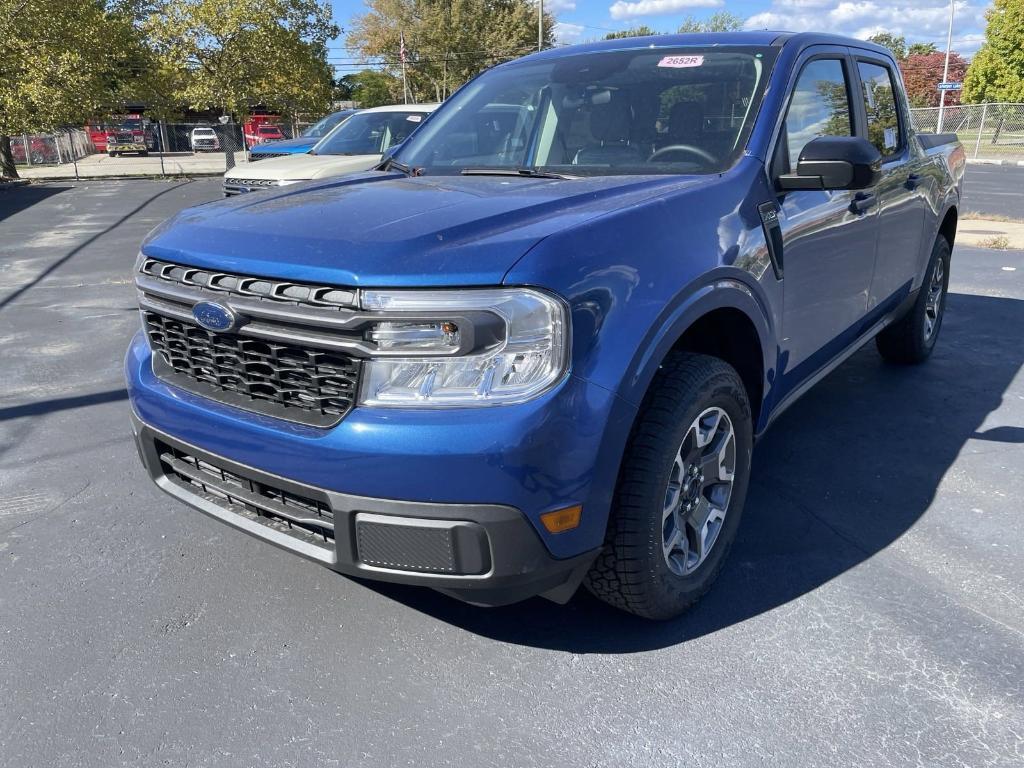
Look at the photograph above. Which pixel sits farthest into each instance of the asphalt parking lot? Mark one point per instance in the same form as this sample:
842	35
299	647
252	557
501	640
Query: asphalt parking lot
871	613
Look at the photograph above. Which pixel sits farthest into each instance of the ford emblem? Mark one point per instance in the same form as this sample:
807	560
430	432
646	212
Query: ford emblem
213	316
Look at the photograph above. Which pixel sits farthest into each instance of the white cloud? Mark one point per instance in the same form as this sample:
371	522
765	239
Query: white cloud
625	10
922	21
568	33
559	6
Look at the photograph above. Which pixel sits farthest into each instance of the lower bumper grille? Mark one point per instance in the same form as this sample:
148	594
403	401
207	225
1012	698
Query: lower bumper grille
303	518
300	384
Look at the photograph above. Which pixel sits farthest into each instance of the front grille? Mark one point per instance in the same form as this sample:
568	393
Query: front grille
310	386
254	156
290	354
251	183
278	291
304	518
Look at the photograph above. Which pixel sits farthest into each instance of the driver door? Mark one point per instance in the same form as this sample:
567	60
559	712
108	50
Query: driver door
828	244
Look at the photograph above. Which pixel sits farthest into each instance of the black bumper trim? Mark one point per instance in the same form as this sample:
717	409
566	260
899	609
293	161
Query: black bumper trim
519	566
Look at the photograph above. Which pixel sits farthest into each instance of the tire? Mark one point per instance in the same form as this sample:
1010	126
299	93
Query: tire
635	571
111	154
911	339
144	154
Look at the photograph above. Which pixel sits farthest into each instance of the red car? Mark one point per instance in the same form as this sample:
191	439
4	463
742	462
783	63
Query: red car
265	133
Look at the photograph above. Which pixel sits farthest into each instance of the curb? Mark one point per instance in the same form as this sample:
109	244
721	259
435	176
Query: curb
138	177
986	161
5	185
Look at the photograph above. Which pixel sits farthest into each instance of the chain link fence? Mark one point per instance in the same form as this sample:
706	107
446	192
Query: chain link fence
994	131
50	148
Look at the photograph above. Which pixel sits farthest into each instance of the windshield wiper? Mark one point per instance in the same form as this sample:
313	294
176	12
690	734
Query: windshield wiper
528	173
408	170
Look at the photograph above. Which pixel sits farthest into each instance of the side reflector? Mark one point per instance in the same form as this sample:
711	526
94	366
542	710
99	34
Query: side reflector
562	519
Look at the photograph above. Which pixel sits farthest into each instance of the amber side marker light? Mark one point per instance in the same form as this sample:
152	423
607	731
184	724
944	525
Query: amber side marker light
562	519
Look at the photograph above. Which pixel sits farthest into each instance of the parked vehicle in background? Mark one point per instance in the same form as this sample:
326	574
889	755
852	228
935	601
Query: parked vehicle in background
204	140
356	144
302	143
121	141
250	128
534	346
41	150
269	133
97	133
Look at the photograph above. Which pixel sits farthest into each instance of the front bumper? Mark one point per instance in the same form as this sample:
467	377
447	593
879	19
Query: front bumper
134	147
483	554
499	468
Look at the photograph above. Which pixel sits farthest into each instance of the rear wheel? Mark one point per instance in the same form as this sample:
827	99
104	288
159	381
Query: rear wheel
144	154
680	492
912	338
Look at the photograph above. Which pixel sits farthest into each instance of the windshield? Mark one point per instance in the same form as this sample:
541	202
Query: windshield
325	124
369	133
203	131
269	129
684	110
131	125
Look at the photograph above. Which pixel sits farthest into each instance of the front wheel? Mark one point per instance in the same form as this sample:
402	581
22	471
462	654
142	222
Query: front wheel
680	491
911	339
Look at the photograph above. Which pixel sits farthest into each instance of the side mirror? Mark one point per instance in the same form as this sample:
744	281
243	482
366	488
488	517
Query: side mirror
835	162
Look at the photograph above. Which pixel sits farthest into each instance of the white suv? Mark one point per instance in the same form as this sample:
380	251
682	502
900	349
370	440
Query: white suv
204	139
354	145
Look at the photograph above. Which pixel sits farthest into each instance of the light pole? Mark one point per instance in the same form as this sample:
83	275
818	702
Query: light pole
540	25
945	69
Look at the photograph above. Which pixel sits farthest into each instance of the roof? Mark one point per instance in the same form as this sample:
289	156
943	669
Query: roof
402	108
704	39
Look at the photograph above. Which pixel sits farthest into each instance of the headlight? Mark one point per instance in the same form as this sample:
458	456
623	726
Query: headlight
464	348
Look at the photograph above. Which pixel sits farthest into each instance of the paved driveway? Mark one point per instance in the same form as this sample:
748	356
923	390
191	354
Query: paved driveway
872	611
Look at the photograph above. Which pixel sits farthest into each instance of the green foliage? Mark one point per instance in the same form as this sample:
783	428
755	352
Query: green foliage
922	74
369	88
720	21
922	49
62	62
895	43
642	31
447	41
234	54
996	73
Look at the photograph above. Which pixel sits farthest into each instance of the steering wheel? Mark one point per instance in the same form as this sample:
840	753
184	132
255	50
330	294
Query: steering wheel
702	154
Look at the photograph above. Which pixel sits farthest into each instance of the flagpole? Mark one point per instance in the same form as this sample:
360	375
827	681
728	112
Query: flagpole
540	25
945	68
401	55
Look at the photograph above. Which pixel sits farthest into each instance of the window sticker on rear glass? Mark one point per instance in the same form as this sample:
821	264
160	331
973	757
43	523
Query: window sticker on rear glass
681	61
414	118
890	138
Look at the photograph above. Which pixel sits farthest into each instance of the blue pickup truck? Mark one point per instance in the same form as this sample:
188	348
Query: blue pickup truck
534	348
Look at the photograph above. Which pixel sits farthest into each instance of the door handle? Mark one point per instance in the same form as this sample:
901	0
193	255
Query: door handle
913	180
862	201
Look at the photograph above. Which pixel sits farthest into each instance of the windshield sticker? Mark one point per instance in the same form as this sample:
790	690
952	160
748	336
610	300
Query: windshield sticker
681	61
889	135
414	118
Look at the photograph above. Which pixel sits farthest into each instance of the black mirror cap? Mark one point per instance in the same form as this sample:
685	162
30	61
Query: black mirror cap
835	162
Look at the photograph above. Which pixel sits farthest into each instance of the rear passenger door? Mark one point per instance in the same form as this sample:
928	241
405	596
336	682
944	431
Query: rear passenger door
828	245
900	195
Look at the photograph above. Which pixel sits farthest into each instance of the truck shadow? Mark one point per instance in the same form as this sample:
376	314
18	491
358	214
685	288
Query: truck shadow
842	475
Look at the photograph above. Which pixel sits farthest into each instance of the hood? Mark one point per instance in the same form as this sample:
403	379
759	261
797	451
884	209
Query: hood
300	167
381	229
297	145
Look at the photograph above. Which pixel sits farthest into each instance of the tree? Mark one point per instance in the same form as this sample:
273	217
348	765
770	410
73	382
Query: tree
918	49
61	63
996	72
642	31
895	43
369	88
922	74
447	42
720	21
234	54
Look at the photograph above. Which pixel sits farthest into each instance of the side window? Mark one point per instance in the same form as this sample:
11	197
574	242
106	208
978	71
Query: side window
880	105
820	106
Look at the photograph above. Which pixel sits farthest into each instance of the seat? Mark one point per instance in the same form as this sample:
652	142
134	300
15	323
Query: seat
686	123
610	124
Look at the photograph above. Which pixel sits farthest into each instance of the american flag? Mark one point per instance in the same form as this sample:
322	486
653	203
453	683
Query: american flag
401	47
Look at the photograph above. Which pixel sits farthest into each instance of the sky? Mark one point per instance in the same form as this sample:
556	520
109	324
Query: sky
582	20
